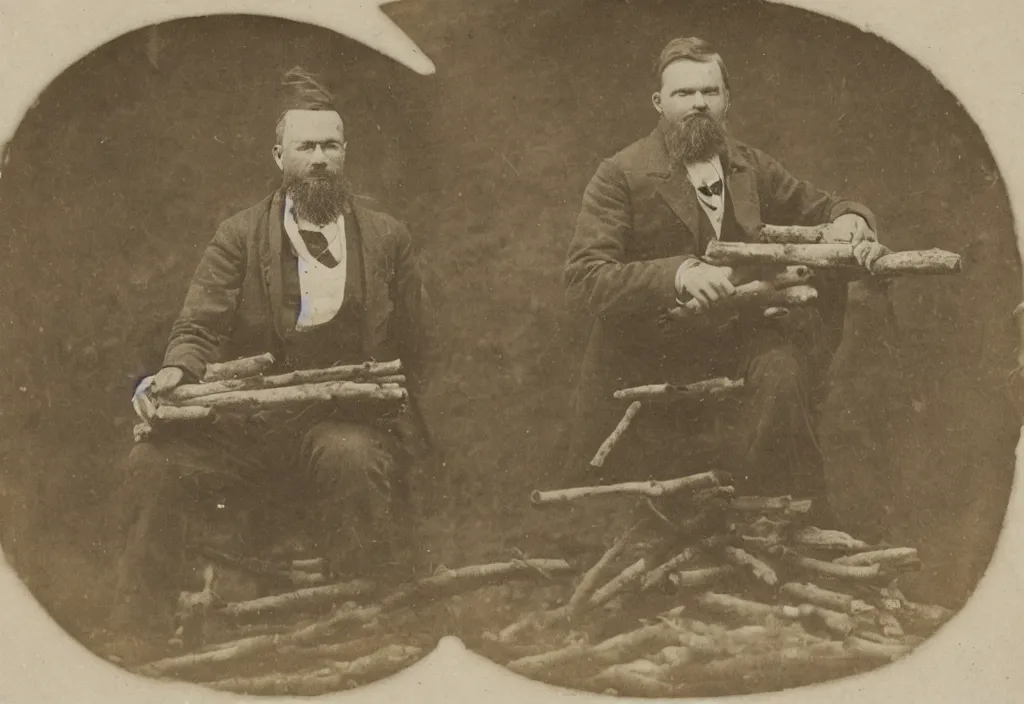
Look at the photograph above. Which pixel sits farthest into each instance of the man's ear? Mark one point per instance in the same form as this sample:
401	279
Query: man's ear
656	99
277	156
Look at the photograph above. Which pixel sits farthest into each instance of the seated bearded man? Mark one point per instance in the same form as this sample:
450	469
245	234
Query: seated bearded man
647	218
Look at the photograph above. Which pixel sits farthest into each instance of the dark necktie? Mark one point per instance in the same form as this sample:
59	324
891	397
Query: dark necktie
316	243
712	189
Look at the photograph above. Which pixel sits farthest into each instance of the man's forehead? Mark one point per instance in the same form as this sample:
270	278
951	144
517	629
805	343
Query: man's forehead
686	72
312	125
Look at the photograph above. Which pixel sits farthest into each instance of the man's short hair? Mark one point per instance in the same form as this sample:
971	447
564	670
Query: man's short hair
303	91
688	49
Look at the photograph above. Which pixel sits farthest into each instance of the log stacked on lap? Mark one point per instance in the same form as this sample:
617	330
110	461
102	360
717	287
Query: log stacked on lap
238	387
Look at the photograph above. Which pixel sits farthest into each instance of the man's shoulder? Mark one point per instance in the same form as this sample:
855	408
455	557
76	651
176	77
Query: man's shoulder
248	218
371	214
635	155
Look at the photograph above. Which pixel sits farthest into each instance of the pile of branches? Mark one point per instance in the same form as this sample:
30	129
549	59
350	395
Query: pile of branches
319	639
239	387
709	593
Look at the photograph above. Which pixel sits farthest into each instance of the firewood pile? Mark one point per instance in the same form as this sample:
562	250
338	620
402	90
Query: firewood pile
711	593
239	387
321	639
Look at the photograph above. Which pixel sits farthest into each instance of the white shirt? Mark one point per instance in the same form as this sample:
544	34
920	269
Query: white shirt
322	288
706	173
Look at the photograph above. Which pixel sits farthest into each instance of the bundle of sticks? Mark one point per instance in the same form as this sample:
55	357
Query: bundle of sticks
316	640
709	593
240	387
792	254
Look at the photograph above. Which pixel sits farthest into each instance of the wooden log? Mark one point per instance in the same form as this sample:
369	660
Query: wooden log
628	680
929	261
302	600
744	609
837	601
884	652
800	234
458	580
754	294
760	569
811	536
708	388
668	487
770	671
888	556
264	399
775	291
532	665
770	504
246	366
588	583
657	576
839	625
379	664
616	435
830	256
170	414
316	565
632	574
374	372
854	573
634	643
701	577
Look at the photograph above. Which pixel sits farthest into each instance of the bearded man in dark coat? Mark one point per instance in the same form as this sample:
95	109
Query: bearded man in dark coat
647	218
318	278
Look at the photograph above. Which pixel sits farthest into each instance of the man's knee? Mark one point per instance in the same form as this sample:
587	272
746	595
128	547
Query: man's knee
778	369
345	453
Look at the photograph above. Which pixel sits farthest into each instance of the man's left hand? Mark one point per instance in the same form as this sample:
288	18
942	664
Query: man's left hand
855	229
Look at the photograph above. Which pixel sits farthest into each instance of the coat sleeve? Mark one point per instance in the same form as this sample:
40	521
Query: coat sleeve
599	279
414	313
208	315
787	200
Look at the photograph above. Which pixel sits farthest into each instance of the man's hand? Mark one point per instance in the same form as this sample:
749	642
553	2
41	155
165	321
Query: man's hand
162	382
707	284
866	248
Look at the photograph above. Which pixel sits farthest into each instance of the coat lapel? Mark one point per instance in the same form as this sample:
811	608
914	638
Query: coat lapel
673	185
741	189
376	295
284	321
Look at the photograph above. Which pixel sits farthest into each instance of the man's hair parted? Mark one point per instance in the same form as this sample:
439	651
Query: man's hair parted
303	91
689	49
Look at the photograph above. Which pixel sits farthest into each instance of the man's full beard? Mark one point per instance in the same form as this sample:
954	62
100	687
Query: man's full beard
693	138
319	200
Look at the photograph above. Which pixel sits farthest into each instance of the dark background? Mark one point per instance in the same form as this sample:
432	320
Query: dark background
120	174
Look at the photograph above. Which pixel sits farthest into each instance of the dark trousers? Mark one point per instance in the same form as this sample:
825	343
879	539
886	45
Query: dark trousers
338	471
766	438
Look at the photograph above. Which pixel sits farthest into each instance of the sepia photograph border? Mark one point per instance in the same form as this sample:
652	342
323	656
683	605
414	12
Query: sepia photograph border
971	48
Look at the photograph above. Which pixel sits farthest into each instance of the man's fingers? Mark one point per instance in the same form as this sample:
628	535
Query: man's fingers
860	252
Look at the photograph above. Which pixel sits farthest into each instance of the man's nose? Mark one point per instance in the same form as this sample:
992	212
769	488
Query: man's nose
698	101
318	155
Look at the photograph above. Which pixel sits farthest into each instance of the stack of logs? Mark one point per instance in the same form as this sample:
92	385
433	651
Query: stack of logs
317	640
710	593
239	387
792	255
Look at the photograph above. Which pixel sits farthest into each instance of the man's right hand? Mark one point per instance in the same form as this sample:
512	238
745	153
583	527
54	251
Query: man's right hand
162	382
705	283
